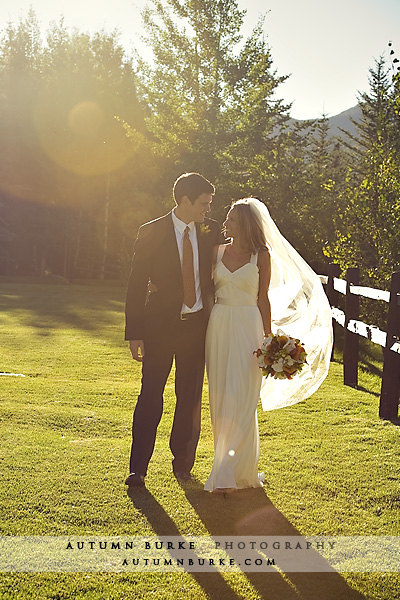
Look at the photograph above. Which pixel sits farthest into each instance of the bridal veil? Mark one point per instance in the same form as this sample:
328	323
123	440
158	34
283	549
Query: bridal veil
300	308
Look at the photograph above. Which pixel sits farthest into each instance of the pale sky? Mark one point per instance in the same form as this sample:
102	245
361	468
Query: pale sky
326	47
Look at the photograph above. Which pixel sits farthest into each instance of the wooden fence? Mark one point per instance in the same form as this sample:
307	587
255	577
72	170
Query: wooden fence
353	328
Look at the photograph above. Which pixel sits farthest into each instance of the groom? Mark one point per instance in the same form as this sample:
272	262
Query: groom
169	299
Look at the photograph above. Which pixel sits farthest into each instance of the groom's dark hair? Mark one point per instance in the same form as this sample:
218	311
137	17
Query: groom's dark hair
192	185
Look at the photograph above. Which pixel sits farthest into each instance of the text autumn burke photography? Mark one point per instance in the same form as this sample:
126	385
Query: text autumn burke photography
200	554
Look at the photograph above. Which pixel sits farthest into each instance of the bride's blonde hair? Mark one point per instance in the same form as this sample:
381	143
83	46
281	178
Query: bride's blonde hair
251	233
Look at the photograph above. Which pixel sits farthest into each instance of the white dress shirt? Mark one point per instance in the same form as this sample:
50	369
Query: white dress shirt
180	227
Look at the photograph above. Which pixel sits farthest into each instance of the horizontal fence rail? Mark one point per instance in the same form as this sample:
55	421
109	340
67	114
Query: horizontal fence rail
353	328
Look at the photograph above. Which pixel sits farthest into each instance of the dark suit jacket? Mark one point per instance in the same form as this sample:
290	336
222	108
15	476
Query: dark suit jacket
156	258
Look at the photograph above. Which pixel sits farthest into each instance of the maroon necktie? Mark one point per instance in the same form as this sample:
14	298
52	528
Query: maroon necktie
189	287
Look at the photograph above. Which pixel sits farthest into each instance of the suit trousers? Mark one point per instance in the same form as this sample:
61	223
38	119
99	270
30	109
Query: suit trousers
183	342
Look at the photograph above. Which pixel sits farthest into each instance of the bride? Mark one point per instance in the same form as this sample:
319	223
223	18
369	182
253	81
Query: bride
261	283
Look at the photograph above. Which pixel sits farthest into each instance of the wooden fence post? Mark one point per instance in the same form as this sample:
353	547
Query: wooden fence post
351	340
389	402
333	296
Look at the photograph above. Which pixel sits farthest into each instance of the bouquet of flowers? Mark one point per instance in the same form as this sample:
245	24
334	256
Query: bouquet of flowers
281	356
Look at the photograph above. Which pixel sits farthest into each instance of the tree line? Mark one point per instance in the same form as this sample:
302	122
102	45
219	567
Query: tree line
92	139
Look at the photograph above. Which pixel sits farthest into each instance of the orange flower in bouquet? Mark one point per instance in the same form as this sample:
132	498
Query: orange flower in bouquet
281	356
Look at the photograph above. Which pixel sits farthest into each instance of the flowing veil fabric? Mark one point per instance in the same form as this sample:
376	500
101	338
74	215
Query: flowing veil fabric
301	309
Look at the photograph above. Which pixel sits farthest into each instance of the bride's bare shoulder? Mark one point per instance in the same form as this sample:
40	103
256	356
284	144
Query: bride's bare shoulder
264	258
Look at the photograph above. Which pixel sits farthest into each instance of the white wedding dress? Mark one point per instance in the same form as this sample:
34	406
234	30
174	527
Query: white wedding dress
234	332
298	305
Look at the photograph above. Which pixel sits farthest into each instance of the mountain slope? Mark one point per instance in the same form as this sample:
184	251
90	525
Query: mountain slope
341	121
344	121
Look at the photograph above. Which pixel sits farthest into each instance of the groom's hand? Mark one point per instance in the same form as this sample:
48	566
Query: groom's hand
137	349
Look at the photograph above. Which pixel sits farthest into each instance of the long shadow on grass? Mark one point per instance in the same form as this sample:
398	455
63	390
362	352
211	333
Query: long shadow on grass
250	513
213	584
46	308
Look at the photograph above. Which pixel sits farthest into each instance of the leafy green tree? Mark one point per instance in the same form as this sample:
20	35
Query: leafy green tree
326	170
368	219
210	100
213	105
64	106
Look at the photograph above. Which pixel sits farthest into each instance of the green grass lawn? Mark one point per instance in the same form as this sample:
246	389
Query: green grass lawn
331	465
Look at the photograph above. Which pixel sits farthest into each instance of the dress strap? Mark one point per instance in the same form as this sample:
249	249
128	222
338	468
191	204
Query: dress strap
254	258
220	253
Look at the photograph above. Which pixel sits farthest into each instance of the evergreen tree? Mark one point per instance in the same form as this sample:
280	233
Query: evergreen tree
326	168
368	219
211	105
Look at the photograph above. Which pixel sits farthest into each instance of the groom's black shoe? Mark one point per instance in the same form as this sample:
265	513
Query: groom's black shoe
184	476
135	480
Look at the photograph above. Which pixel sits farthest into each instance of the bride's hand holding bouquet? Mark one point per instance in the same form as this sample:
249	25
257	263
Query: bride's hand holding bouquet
281	356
